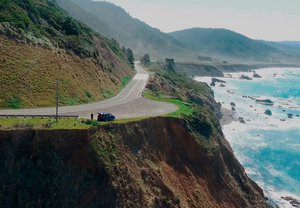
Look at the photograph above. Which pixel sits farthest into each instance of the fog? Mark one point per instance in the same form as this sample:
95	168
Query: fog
259	19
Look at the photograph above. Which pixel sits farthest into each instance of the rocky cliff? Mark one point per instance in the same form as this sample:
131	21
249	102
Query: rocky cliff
155	162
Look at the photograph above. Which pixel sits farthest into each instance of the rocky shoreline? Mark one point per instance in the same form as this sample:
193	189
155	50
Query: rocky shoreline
270	111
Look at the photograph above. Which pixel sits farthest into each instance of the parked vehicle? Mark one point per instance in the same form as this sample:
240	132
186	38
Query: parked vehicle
106	117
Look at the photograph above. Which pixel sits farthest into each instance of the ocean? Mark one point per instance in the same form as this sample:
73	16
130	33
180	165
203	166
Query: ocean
268	146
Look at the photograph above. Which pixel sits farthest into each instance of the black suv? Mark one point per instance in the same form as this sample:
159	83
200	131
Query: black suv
105	117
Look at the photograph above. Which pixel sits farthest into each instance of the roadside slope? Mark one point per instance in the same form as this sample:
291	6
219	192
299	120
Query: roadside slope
40	44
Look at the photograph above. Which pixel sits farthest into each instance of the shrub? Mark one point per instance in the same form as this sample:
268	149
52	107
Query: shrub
14	103
125	80
88	94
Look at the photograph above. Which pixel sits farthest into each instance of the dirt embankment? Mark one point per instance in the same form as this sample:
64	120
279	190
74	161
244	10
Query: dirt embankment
150	163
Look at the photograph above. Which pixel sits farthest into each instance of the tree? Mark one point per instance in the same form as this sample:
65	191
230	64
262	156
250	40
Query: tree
170	63
145	60
130	57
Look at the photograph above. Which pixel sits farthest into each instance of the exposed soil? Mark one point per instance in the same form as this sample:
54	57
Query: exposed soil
150	163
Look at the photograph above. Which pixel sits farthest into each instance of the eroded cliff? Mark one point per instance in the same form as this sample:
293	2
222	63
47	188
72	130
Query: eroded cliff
155	162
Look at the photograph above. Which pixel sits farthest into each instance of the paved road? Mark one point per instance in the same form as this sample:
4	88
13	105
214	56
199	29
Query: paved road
129	103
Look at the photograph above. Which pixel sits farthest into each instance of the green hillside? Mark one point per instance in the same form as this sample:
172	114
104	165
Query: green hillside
41	19
114	22
40	44
230	45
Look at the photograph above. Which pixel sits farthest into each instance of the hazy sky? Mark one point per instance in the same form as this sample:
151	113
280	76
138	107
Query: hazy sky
259	19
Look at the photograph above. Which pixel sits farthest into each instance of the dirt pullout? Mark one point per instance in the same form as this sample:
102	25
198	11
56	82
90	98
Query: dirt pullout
150	163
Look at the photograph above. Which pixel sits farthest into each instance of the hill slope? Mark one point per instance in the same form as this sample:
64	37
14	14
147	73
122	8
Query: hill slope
114	22
230	45
40	44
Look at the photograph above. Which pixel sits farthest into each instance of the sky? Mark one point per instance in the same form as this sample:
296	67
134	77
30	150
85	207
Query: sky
276	20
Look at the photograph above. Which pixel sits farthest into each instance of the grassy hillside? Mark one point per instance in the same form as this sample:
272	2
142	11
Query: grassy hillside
230	45
112	21
40	44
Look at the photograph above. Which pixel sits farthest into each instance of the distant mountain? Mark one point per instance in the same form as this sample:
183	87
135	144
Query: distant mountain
289	47
114	22
230	45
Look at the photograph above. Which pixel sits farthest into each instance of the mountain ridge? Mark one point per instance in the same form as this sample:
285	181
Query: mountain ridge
229	45
219	44
129	31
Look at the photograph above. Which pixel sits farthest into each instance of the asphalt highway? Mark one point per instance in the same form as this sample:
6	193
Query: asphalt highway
129	103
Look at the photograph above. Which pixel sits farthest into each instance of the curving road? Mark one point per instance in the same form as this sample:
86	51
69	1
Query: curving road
129	103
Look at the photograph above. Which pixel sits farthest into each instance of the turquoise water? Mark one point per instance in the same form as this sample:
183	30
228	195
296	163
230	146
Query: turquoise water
268	147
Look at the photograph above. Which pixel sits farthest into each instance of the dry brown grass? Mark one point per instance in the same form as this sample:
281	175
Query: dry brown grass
29	73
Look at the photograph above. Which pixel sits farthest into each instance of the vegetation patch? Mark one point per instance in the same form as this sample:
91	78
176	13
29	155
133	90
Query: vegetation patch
127	120
108	94
88	94
184	108
195	101
68	101
14	103
125	80
45	123
106	149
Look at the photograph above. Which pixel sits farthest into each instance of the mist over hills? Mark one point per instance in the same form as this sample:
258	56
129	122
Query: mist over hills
114	22
289	47
230	45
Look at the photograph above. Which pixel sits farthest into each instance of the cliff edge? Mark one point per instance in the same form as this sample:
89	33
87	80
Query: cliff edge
150	163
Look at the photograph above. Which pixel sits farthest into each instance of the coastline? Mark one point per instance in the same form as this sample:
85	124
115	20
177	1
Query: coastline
264	143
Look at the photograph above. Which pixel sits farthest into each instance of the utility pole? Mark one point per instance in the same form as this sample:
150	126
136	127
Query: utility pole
57	98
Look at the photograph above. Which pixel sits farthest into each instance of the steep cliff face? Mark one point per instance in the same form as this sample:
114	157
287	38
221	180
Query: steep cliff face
155	162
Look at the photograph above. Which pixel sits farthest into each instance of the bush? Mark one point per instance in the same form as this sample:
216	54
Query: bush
88	94
14	103
125	80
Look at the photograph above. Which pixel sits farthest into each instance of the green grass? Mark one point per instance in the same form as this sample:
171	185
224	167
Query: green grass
127	120
125	80
108	94
184	108
45	123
